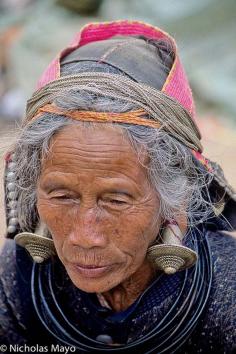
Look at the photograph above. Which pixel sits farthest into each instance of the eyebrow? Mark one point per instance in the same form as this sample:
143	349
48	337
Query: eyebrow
50	185
119	191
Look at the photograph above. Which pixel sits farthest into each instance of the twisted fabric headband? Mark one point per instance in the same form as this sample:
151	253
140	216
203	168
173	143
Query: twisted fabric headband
160	110
132	117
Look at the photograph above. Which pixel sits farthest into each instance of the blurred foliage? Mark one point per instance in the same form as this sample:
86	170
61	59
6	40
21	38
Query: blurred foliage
205	31
86	7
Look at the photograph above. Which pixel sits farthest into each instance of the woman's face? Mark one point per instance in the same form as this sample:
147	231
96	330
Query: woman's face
94	197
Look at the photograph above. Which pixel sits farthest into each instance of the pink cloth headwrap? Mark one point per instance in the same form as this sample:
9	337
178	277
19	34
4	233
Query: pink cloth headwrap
176	84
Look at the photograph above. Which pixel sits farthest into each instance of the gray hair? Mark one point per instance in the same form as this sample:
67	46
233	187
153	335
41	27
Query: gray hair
172	171
179	182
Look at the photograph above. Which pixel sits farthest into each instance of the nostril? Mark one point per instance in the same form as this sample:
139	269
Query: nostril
87	238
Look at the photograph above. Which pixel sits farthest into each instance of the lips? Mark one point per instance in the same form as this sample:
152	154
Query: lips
91	271
90	266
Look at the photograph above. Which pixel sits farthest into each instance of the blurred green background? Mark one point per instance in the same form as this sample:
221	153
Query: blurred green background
32	32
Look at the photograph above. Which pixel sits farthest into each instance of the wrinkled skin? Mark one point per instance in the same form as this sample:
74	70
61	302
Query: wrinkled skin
95	198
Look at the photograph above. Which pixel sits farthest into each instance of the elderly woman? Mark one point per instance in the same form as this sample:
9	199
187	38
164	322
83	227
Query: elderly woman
107	190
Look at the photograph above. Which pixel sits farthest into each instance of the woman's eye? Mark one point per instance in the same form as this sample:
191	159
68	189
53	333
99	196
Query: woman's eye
63	197
116	201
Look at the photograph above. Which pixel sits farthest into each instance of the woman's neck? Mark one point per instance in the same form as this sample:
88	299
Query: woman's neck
125	294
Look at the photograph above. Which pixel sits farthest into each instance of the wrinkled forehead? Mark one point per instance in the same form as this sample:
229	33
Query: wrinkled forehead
93	153
90	137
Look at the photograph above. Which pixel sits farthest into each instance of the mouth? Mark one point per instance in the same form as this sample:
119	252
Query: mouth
91	271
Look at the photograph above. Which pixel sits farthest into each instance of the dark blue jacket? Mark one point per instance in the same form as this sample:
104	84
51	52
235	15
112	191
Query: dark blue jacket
214	333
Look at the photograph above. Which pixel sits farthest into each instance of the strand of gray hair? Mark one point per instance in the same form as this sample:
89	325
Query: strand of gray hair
172	171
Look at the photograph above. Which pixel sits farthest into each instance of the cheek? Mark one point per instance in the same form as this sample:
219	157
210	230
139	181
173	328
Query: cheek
136	230
55	217
130	232
142	220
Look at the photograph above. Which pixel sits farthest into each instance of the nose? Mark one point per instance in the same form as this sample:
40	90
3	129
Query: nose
87	230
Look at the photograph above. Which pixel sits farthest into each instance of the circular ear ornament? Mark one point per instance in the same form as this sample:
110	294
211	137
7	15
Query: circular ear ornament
171	256
39	247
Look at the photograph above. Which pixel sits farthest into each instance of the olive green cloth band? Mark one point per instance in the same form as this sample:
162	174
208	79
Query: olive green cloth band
173	118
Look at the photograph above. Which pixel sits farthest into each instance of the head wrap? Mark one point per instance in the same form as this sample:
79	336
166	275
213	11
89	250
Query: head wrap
164	98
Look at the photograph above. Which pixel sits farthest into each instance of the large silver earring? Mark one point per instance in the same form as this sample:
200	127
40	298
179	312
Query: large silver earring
171	256
39	247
